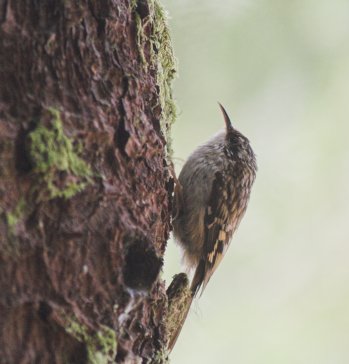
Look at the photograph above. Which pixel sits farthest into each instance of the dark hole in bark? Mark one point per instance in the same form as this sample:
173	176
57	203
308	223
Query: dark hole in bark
101	28
22	160
142	8
44	310
111	160
121	354
142	265
156	124
121	136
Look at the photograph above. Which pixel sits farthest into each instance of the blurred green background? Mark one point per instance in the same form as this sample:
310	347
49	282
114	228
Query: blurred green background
281	68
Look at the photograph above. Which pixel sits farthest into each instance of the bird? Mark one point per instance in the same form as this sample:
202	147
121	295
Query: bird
210	199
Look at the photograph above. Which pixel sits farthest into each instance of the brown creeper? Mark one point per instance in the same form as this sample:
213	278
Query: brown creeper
211	198
215	185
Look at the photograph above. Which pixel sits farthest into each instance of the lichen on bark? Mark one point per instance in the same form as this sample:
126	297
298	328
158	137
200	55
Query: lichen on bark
162	58
100	346
58	170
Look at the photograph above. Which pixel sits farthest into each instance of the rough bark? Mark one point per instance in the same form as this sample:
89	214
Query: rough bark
85	183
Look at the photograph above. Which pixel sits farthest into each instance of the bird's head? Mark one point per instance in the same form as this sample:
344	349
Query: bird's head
238	146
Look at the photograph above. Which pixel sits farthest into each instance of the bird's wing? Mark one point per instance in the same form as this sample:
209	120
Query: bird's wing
218	229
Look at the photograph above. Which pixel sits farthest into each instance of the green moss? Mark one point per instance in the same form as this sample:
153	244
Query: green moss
134	4
101	346
11	220
14	216
55	160
140	36
166	69
161	357
162	58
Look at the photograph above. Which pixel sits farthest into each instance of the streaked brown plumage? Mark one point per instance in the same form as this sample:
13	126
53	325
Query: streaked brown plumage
211	198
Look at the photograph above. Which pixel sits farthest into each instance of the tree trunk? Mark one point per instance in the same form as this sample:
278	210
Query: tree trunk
85	180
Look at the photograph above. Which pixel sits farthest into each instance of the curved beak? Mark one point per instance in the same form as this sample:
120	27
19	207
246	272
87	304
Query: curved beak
226	118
